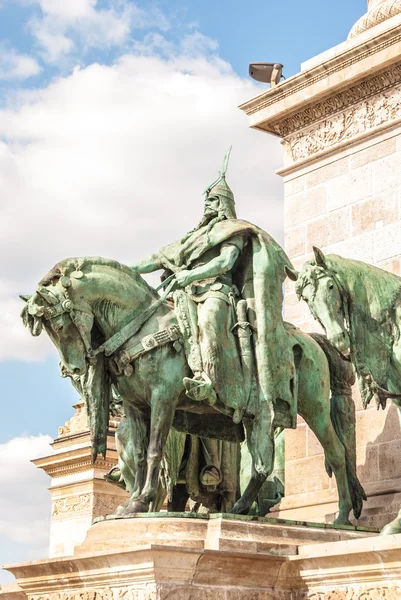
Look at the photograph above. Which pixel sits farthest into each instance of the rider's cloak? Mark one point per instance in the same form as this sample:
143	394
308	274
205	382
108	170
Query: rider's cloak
259	274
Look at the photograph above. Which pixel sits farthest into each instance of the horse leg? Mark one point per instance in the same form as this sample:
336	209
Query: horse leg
317	415
131	441
162	413
260	440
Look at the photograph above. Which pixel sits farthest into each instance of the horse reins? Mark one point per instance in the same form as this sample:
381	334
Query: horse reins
143	314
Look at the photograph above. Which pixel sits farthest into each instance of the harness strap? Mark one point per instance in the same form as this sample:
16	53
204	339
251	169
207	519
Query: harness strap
147	343
122	336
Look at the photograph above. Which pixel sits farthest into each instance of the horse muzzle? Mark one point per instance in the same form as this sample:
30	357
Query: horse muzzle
342	342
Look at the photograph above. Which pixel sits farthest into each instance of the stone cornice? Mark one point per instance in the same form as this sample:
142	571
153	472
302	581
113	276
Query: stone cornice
76	460
353	54
351	93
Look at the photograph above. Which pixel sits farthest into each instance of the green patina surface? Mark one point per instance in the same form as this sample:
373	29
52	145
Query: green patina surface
359	306
210	356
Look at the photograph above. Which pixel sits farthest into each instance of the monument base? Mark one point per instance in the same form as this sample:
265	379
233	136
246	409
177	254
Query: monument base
216	557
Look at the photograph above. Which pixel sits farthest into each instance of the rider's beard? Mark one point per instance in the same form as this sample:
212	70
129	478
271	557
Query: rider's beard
208	217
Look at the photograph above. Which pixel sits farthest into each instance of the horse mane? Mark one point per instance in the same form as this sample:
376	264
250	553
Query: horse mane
367	285
69	265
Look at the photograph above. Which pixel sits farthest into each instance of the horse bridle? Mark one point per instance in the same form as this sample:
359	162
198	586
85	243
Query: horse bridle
359	367
64	306
114	343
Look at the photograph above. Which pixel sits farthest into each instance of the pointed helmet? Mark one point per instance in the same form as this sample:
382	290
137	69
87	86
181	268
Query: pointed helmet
221	190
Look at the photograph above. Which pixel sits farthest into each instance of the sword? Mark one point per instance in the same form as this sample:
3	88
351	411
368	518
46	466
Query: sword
244	332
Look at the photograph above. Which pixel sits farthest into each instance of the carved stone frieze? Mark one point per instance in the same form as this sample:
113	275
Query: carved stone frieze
144	592
383	108
364	90
155	592
282	91
71	504
358	592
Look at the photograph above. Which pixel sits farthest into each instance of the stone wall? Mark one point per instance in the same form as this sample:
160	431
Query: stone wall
349	205
340	124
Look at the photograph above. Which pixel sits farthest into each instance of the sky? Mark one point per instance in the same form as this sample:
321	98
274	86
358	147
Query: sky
114	117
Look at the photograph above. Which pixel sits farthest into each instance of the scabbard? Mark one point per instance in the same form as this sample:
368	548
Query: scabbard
244	333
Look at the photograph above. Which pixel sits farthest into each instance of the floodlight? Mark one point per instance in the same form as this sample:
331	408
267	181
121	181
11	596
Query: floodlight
266	72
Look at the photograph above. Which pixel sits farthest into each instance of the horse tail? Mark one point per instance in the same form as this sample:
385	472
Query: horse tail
342	415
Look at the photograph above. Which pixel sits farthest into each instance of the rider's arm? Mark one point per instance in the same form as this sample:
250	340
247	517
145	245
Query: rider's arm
149	264
217	266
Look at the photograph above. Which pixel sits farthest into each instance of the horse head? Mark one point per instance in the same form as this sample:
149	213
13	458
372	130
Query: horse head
318	285
67	322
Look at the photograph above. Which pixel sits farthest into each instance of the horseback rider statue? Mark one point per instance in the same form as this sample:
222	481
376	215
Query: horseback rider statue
214	266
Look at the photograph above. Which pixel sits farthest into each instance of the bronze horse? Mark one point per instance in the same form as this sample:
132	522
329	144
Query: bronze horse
84	303
359	307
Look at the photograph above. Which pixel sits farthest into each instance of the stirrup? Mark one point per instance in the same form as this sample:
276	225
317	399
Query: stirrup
210	476
200	389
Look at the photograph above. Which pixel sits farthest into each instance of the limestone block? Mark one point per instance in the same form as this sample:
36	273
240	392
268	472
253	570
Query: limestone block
388	242
374	152
329	229
375	212
294	186
305	475
367	458
305	206
375	427
294	309
213	558
386	173
393	265
349	187
361	247
295	442
327	172
389	459
295	239
314	447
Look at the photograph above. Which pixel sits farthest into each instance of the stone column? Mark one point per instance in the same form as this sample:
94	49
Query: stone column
340	122
78	490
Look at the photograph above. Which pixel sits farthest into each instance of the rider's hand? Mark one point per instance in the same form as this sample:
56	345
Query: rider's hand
183	278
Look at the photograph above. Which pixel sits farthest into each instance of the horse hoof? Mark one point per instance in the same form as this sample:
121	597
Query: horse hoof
339	521
137	506
392	528
120	509
239	509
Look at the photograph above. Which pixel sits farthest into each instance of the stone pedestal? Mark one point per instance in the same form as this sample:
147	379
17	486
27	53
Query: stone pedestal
78	490
194	557
340	124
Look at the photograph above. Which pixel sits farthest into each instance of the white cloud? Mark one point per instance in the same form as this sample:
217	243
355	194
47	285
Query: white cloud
51	39
17	66
113	160
65	26
25	504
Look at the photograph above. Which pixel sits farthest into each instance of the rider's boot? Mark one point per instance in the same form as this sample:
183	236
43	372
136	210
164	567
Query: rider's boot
200	388
238	415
